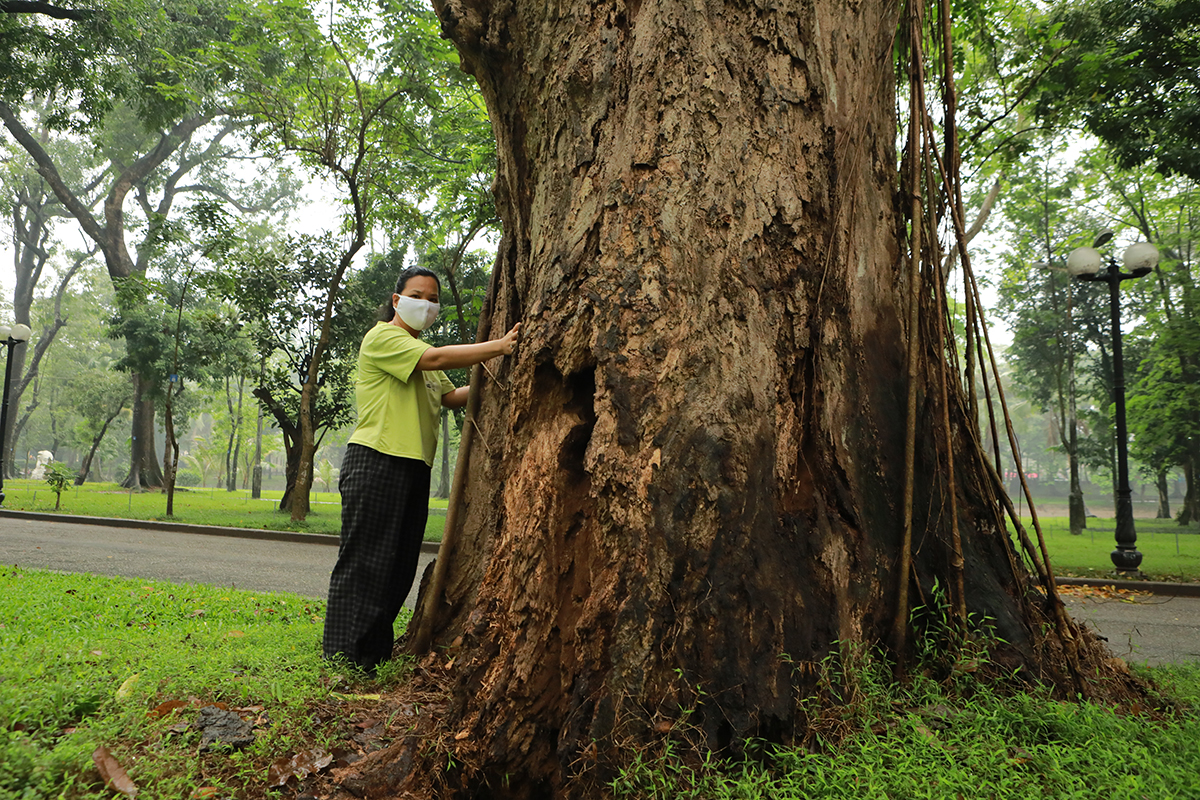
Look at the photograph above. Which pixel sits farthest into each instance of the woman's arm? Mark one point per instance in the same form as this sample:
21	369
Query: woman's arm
453	356
456	398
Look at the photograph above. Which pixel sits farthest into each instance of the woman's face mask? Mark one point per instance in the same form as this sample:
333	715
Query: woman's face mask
416	313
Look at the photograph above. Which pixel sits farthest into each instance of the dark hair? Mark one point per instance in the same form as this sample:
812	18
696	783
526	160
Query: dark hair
386	312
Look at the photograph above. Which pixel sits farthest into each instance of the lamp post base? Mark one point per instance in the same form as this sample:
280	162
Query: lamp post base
1126	559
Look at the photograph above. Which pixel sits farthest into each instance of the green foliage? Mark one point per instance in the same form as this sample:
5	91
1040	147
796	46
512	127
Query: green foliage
116	52
59	476
1164	400
1128	73
280	293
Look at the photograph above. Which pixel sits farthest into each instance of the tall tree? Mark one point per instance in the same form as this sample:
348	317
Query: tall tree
1130	74
1039	300
729	423
33	211
280	290
362	104
160	128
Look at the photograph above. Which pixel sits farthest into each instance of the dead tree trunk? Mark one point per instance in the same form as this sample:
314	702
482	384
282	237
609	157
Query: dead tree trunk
691	475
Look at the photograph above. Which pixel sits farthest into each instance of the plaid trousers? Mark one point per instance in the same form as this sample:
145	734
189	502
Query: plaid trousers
385	502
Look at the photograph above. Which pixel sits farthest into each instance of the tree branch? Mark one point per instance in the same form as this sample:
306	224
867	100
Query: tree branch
46	9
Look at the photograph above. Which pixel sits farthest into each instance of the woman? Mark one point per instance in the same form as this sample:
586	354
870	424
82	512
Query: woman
384	480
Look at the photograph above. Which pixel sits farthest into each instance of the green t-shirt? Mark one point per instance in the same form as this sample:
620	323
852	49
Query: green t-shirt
398	405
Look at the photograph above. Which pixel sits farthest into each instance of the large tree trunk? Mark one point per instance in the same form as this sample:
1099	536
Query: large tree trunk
144	469
691	475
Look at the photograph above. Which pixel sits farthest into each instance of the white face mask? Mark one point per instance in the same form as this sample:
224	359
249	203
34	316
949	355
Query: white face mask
416	313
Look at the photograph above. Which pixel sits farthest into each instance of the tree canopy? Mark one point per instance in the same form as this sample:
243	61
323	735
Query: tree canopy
1130	75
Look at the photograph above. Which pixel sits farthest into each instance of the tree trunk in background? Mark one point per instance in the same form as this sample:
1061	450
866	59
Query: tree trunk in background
144	471
9	437
1076	508
690	476
1191	496
1164	495
443	490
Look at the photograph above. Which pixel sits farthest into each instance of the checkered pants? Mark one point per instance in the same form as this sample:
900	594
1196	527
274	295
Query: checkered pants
385	502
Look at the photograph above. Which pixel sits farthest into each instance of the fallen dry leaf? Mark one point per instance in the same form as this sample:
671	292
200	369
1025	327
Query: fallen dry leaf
204	792
163	709
298	766
1103	593
114	776
458	737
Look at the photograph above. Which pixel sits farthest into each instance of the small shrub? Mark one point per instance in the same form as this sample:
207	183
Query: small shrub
59	476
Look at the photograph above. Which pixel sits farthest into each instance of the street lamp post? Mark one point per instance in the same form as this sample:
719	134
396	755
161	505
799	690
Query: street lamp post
17	334
1084	263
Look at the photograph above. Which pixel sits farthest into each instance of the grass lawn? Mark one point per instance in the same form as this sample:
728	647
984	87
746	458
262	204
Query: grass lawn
1170	552
89	662
194	506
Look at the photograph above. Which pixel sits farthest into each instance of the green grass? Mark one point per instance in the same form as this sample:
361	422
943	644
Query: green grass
1170	552
86	661
923	741
193	506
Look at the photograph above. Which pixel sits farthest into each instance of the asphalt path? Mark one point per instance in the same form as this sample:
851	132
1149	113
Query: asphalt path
1143	628
300	565
1140	627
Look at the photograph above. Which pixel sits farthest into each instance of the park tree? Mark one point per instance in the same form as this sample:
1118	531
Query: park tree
1042	304
1165	420
734	411
161	133
1158	311
280	290
370	103
31	212
175	334
99	395
1127	74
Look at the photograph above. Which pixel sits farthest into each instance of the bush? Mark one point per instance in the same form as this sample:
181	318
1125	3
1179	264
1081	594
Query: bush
187	477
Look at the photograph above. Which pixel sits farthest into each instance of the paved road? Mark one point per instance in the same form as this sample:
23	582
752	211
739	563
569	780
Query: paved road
1145	628
1152	628
254	564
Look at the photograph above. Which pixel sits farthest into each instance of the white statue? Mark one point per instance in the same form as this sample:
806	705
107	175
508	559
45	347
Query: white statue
44	457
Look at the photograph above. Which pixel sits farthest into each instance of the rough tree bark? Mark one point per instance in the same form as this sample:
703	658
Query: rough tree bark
690	477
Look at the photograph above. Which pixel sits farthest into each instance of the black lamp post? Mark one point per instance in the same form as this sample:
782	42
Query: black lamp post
1084	263
11	337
